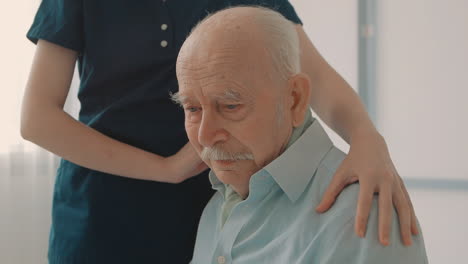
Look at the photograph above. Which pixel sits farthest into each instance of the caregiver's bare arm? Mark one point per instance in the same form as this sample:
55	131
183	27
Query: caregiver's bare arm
45	123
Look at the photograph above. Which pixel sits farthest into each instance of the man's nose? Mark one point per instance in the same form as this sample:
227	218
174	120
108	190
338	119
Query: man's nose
211	130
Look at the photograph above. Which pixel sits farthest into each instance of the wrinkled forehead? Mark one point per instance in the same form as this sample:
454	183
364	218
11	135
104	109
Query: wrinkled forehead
216	86
220	68
217	70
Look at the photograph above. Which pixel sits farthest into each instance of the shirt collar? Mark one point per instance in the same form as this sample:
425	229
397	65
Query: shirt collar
296	166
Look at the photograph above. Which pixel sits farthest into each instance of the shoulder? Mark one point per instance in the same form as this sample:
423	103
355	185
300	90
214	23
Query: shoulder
338	225
284	7
323	177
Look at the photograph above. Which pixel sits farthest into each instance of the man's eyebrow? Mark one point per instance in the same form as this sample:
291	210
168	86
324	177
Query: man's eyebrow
178	98
229	95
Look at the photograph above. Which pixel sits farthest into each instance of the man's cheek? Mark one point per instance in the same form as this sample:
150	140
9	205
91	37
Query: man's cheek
191	130
258	156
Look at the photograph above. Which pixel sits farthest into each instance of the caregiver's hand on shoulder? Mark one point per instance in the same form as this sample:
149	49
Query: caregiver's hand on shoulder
184	164
369	163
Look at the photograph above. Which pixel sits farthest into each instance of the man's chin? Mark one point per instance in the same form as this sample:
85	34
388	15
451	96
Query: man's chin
223	169
226	176
229	169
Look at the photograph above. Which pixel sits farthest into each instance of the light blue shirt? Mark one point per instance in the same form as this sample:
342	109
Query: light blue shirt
277	223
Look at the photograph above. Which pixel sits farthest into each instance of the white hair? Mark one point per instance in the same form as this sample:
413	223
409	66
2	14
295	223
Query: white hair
282	46
217	153
283	42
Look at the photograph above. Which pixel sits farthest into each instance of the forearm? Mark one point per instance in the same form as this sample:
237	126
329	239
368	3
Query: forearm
332	98
74	141
339	106
44	123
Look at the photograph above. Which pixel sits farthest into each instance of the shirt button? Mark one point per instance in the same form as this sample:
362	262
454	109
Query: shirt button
163	43
221	260
164	26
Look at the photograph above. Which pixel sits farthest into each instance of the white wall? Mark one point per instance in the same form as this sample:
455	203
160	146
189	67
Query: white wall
16	56
332	27
422	112
423	87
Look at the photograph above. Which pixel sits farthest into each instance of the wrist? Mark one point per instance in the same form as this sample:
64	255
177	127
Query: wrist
366	134
170	170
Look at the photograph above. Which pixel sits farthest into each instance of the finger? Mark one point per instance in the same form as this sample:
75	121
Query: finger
385	215
366	194
331	193
404	216
414	221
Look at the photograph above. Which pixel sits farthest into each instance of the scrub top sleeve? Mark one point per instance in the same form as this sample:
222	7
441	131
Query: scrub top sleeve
59	22
287	10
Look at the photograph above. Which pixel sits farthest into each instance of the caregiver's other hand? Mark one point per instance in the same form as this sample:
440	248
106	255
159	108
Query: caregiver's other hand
369	163
185	164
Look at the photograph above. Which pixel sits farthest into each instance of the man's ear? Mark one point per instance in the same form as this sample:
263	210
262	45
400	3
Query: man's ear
299	92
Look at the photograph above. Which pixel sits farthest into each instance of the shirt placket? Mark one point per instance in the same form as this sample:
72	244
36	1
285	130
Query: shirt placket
240	215
229	233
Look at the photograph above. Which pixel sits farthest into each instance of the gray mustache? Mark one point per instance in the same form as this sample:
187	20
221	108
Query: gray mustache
216	153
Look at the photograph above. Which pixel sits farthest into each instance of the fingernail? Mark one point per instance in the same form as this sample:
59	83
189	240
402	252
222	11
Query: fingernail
361	232
385	241
409	242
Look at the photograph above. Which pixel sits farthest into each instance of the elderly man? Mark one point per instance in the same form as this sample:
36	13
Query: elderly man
246	113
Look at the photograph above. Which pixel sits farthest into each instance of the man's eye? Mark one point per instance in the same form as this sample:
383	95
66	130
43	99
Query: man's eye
192	109
231	106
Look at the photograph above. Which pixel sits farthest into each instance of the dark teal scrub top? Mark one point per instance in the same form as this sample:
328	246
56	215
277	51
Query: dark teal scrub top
127	53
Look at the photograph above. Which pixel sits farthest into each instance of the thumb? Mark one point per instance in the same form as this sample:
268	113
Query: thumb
333	190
